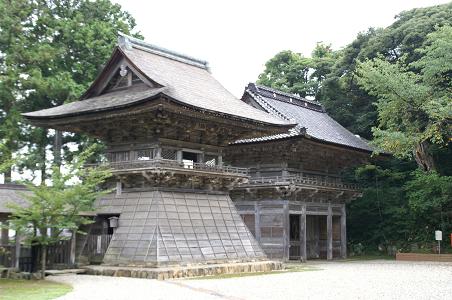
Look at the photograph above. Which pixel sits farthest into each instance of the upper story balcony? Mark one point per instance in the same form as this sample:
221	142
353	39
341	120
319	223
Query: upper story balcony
185	166
313	181
156	159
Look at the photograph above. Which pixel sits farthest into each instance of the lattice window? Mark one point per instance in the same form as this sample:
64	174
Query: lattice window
168	153
119	156
145	154
210	160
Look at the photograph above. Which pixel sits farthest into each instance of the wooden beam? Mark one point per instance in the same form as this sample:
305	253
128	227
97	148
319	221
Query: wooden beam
257	221
303	252
118	187
286	231
329	233
343	233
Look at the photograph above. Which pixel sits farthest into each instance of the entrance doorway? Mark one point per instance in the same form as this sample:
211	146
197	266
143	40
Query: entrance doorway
294	237
316	237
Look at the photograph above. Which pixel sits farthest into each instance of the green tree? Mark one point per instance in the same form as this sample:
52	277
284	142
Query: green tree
430	198
382	218
348	102
53	209
414	100
51	51
290	72
340	94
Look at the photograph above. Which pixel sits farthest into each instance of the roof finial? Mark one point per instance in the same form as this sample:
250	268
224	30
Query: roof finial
124	42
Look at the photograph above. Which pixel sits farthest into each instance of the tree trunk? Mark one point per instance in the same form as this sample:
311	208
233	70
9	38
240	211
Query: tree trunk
43	157
43	261
424	157
57	148
7	175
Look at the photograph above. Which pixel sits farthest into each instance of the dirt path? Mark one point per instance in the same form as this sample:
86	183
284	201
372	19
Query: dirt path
334	280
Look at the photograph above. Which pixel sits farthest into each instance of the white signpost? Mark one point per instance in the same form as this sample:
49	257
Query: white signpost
439	238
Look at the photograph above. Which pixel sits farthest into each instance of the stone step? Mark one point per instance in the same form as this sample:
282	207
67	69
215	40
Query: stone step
171	272
65	271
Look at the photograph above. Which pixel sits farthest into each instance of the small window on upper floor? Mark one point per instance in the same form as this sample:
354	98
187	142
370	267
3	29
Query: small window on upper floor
189	159
145	154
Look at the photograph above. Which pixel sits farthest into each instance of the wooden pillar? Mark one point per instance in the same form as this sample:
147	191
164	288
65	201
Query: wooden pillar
73	247
257	221
201	157
179	156
343	232
118	187
220	160
303	252
286	230
158	152
329	233
15	263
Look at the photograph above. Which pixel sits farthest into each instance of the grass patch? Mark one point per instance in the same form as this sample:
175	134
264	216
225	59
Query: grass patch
288	268
12	289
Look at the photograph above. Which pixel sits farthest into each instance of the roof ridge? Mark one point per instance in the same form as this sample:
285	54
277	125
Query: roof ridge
128	42
274	111
290	95
266	105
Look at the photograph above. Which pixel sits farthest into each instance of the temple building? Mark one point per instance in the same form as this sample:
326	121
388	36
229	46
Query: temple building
166	122
180	146
294	201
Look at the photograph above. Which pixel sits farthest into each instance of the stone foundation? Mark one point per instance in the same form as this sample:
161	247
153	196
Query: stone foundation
181	272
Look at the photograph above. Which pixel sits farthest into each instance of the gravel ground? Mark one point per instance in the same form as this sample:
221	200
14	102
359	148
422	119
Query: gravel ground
333	280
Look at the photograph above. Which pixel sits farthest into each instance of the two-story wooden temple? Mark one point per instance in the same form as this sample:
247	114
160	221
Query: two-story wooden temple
294	201
166	122
180	146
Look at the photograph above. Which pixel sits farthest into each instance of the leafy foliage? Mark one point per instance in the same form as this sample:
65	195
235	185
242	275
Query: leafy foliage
393	86
58	207
430	198
414	108
50	52
291	72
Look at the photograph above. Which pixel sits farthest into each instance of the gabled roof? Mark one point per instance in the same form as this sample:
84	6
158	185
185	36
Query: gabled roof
183	79
12	194
311	117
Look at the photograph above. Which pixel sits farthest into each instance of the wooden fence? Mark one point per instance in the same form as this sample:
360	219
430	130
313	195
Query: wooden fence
424	257
96	246
58	255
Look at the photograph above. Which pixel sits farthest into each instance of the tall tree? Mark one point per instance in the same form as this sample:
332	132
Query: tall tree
341	95
414	100
51	51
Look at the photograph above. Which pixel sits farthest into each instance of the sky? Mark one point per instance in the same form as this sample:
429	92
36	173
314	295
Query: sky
238	37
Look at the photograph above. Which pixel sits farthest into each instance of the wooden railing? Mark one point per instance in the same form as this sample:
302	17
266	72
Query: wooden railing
321	181
173	164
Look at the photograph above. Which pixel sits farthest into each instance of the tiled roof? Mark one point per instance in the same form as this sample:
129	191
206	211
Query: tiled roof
185	80
310	116
117	99
11	194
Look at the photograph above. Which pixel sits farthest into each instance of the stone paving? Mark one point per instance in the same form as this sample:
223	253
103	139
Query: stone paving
332	280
